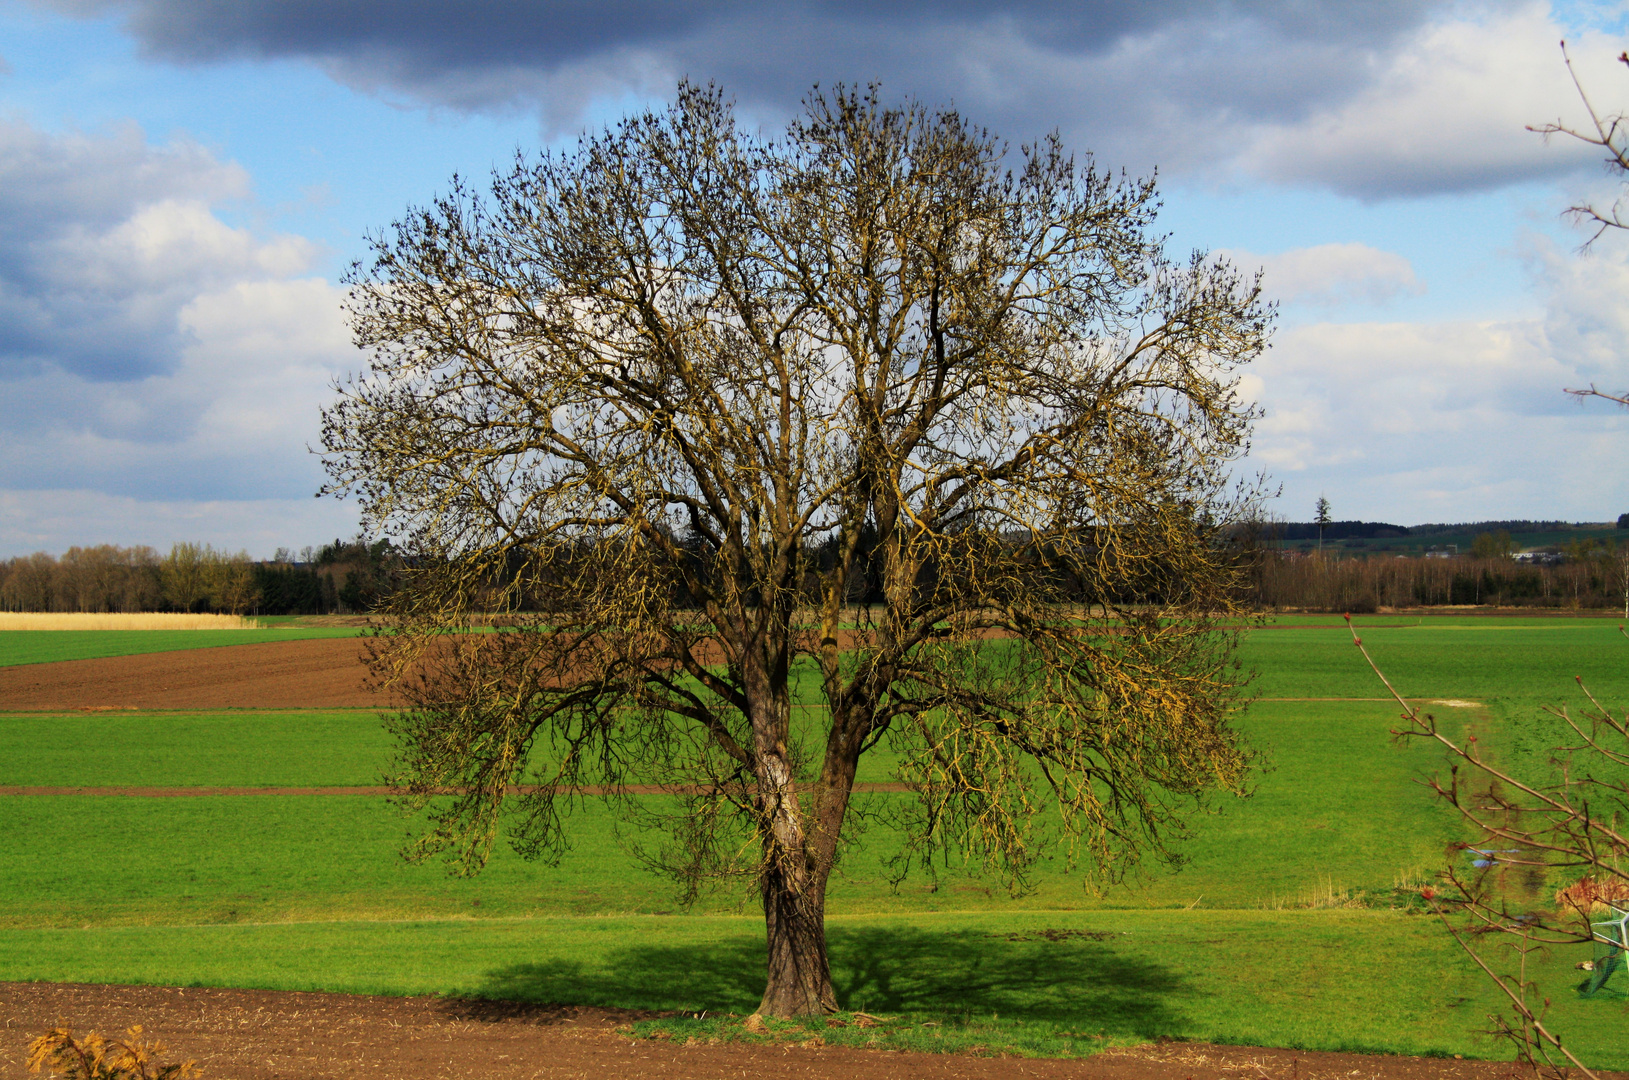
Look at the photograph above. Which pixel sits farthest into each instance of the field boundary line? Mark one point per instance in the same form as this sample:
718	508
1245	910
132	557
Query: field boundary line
208	710
134	791
1331	699
754	921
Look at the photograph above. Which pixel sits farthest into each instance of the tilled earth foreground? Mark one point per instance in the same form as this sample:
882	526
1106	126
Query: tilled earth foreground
266	1035
319	673
324	673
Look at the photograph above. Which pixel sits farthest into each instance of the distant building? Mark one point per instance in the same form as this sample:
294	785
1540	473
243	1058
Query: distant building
1442	551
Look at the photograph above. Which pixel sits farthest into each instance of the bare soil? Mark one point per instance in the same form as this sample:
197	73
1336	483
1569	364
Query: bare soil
322	673
193	792
325	673
267	1035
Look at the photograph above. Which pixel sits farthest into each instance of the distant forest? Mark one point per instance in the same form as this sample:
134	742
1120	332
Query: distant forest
1292	581
339	578
1366	565
1380	530
1355	566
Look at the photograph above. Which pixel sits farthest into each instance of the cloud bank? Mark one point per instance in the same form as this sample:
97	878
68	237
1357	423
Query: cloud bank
150	350
163	367
1371	99
1466	418
1331	275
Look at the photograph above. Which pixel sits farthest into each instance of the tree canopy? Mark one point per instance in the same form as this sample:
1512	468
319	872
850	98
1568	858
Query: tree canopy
770	449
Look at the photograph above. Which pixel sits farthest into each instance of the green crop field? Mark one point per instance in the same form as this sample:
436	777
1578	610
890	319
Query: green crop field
49	646
1292	922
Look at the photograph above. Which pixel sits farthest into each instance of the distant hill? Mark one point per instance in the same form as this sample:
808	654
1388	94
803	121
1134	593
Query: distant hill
1384	537
1338	530
1512	527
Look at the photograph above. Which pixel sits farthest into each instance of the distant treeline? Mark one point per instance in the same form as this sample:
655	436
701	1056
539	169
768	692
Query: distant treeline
1592	577
341	577
1380	530
353	576
1336	530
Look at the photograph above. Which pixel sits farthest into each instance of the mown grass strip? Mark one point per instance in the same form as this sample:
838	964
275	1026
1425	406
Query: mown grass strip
52	646
1337	820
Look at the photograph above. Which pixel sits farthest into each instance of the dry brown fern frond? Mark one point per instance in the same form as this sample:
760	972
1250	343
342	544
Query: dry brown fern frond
96	1057
1585	893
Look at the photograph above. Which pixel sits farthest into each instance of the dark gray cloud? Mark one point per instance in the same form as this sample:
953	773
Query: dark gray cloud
485	34
1188	85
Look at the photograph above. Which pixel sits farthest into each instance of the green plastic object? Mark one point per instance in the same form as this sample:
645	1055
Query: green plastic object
1611	940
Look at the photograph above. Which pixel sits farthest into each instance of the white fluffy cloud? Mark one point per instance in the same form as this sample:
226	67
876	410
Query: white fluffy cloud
1452	421
162	358
55	520
104	239
232	415
1447	111
1332	274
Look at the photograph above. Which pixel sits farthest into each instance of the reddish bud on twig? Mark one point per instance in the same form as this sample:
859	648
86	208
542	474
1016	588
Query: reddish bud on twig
1347	616
1429	893
1357	641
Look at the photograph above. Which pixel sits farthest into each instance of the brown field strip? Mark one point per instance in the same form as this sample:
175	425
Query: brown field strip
275	1035
324	673
183	792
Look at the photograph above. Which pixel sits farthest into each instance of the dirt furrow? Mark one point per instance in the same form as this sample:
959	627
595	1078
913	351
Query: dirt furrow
270	1035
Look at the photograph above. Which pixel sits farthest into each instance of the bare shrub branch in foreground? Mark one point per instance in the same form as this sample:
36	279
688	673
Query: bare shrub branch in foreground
1609	132
1570	821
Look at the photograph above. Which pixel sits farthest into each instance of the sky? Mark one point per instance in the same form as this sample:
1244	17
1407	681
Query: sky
183	183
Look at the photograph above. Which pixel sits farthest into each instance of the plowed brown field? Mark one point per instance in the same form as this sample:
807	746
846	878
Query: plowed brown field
265	1035
326	673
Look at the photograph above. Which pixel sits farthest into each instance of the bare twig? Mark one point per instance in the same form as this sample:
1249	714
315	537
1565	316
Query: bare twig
1610	132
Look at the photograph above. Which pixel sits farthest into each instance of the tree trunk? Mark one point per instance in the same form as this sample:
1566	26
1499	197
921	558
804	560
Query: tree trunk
799	974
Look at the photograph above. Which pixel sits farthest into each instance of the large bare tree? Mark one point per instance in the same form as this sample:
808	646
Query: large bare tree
948	441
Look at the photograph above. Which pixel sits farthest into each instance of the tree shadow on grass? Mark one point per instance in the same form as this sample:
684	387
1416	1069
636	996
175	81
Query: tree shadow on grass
1071	980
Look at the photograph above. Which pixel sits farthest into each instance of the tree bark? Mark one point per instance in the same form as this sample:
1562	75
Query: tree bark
799	973
794	873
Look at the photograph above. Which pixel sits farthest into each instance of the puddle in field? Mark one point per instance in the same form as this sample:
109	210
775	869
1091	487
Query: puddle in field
1455	703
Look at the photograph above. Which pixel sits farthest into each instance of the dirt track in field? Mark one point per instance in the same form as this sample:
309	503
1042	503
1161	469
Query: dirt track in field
323	673
193	792
267	1035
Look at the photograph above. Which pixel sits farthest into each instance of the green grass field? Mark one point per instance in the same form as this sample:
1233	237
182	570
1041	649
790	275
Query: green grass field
49	646
1290	924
